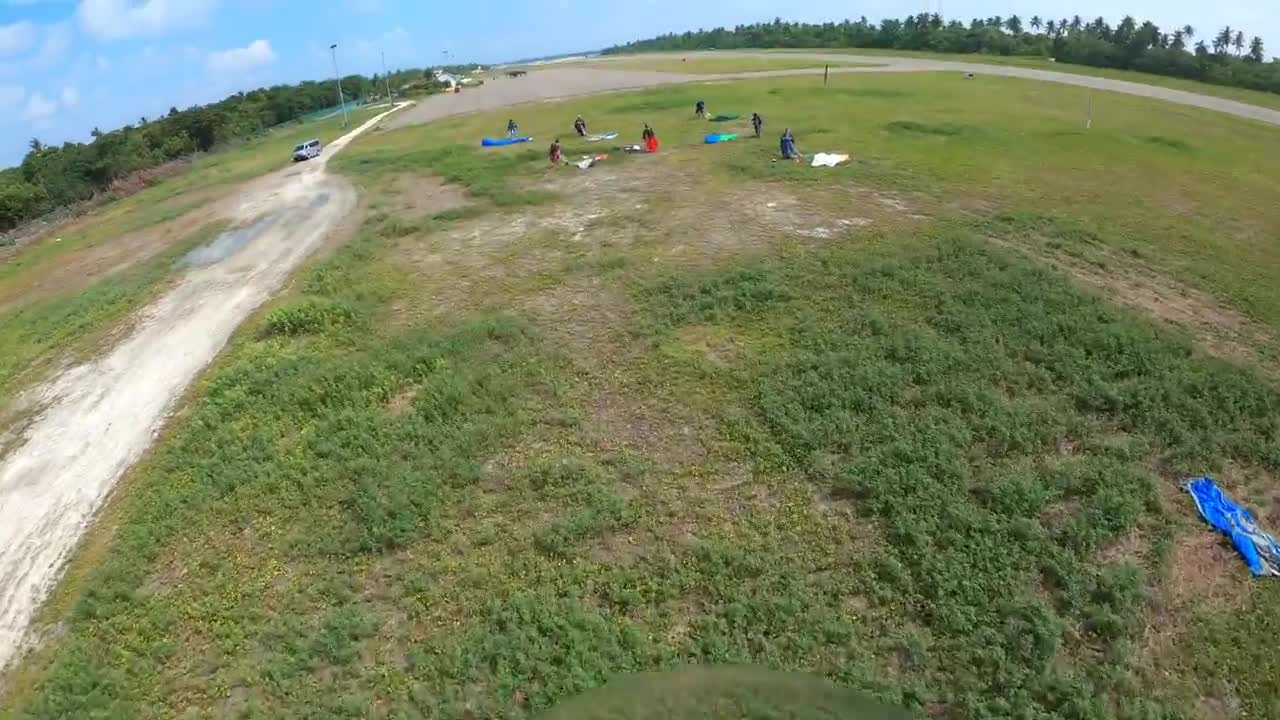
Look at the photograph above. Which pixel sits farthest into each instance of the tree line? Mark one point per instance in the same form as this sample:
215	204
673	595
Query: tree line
1225	58
54	176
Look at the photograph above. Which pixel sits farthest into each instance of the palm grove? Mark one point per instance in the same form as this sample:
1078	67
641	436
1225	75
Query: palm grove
54	176
1226	58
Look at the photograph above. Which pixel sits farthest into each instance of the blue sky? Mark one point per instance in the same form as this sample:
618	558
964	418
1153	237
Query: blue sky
67	66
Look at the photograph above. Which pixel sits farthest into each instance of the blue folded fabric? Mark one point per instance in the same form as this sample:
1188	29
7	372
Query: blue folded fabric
1259	549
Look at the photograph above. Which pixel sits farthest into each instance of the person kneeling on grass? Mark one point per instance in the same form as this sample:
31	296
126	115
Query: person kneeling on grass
554	154
580	126
650	139
788	146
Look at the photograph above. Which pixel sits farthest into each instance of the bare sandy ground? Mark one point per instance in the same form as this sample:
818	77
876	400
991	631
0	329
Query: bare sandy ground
99	417
564	82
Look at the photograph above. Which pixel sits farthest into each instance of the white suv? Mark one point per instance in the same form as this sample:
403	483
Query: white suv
307	150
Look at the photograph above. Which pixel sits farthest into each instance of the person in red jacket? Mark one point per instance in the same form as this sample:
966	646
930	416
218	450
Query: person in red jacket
650	139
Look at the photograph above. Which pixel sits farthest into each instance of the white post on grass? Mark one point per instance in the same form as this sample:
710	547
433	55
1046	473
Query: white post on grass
337	78
1088	118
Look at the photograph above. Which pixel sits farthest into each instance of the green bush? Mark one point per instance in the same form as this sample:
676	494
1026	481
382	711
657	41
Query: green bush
306	316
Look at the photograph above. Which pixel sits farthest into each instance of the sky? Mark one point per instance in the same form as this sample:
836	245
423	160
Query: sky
67	66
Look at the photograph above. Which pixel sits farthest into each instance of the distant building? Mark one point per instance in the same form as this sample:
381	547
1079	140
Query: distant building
446	77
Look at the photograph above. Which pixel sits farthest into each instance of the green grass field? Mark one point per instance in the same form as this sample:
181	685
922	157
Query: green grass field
915	424
1244	95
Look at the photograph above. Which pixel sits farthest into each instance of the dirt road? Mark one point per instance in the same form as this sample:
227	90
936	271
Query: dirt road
98	418
570	81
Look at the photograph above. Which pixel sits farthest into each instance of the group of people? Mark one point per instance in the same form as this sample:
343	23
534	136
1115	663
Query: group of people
786	144
555	153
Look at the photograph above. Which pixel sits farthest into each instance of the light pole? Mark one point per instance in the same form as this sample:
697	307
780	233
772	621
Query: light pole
385	76
337	77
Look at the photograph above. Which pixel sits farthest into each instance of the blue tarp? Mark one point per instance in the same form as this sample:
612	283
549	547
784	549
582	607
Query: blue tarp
498	142
1260	550
714	138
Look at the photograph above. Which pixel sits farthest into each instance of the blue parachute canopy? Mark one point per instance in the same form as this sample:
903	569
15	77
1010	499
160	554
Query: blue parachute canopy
1259	549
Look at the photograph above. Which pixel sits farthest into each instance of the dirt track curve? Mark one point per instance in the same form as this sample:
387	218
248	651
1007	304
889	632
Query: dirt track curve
96	419
554	82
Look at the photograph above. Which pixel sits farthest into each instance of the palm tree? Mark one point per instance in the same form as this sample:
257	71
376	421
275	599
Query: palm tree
1223	41
1201	48
1076	24
1238	43
1049	27
1178	42
1255	50
35	145
1189	31
1014	25
1124	30
1036	23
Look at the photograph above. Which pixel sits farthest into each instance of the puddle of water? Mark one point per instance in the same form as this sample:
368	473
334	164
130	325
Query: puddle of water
229	243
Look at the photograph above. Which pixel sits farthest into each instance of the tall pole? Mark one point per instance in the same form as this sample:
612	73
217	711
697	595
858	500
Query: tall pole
337	77
385	76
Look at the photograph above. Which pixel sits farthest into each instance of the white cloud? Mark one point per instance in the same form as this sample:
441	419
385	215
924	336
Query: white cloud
57	40
11	96
70	96
39	107
115	19
103	64
16	37
239	60
397	43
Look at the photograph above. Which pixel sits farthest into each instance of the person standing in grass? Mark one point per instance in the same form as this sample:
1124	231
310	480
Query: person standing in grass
650	139
580	126
757	123
554	154
512	129
700	110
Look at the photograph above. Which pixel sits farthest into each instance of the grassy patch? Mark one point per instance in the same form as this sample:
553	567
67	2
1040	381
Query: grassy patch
33	335
485	174
1168	142
911	127
934	388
